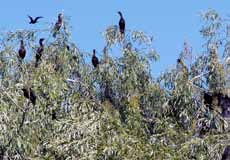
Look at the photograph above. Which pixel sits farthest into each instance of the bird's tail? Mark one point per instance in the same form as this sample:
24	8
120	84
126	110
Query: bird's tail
36	64
122	31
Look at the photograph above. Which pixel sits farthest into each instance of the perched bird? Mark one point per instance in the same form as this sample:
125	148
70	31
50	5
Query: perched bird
29	94
129	46
58	24
183	68
207	99
95	60
41	47
68	47
213	99
35	20
107	92
39	51
22	50
224	102
121	23
226	154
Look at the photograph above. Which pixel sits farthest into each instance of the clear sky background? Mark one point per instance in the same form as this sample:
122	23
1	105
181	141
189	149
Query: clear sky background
170	22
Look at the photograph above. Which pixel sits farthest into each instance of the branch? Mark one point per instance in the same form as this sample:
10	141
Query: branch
77	81
196	77
8	96
196	86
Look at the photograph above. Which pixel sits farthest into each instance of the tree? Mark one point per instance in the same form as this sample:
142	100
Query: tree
117	110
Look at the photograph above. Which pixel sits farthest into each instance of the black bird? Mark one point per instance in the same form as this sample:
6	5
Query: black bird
226	154
41	41
95	60
39	51
68	47
207	99
22	50
121	23
29	94
178	60
58	24
35	20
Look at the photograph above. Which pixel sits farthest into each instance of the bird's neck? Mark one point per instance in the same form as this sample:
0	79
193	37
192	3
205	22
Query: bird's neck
121	16
22	45
60	19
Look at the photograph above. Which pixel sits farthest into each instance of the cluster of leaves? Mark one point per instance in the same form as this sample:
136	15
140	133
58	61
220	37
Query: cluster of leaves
115	111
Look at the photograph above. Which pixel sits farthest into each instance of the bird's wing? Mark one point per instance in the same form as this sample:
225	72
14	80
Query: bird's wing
31	18
38	18
121	23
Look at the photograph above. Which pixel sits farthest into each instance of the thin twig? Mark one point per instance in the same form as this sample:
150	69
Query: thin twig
11	99
77	81
196	77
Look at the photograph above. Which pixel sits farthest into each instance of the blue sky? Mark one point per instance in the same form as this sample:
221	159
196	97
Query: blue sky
170	22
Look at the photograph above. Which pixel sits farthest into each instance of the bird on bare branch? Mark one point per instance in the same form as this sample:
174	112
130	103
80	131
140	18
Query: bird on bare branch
121	23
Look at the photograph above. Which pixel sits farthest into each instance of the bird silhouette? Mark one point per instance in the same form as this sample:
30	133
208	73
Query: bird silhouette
58	24
95	60
22	50
207	99
121	23
29	94
226	154
68	47
39	52
34	20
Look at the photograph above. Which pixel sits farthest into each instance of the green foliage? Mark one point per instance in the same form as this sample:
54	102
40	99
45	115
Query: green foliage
116	111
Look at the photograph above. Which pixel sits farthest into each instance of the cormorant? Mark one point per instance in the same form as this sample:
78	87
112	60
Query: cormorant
35	20
29	94
212	99
224	102
226	154
41	41
95	60
22	50
121	23
184	69
207	99
68	47
58	24
39	52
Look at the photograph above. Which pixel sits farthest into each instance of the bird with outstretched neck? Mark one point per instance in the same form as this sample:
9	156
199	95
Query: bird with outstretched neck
58	24
34	20
22	50
95	60
39	52
29	94
121	23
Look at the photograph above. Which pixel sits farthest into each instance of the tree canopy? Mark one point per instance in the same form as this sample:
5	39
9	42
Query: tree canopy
117	110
